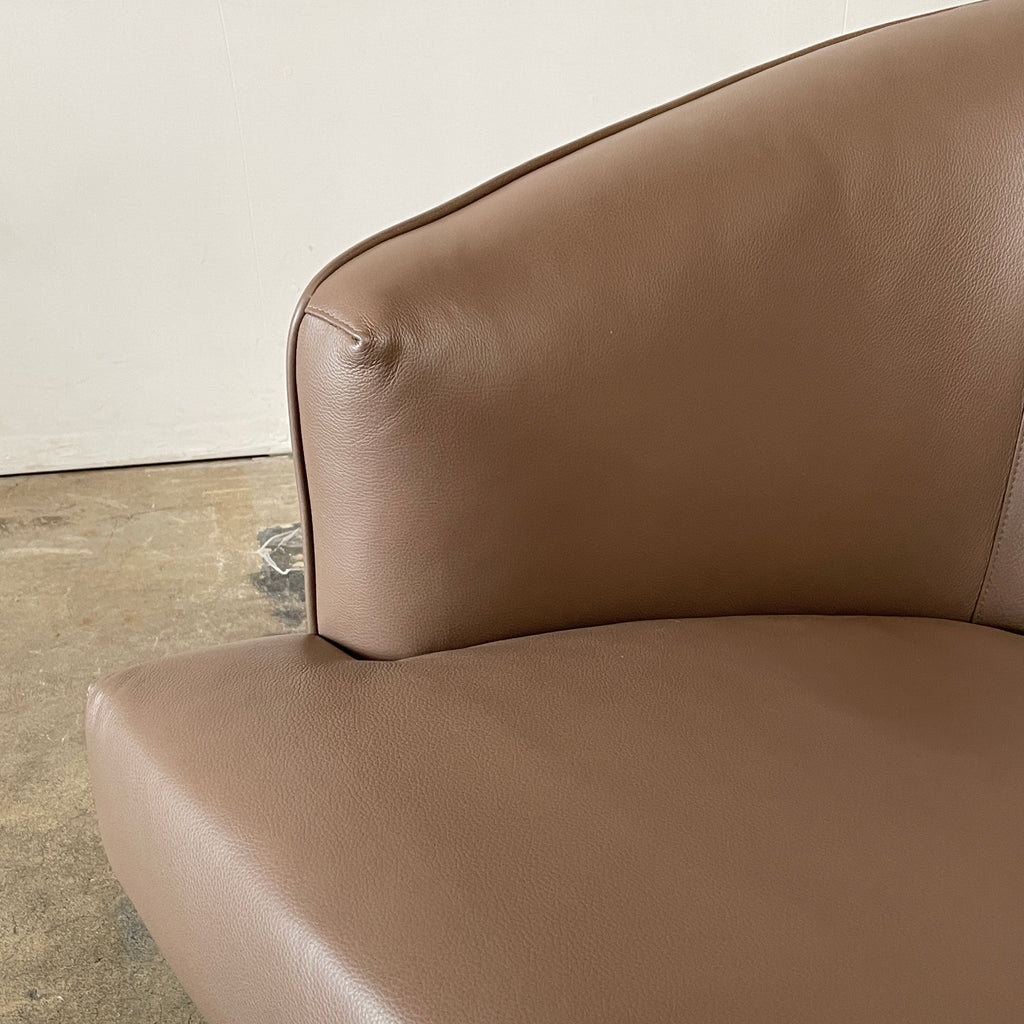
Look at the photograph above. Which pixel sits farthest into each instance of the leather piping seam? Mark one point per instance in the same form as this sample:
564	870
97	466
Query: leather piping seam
460	202
335	321
1009	493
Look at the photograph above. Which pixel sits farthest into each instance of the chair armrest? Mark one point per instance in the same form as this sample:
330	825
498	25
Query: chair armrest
761	351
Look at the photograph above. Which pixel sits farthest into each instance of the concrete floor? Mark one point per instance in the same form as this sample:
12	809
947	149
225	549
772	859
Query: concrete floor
101	570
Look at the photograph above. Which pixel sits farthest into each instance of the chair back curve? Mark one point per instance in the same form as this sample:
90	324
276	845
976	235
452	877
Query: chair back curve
760	350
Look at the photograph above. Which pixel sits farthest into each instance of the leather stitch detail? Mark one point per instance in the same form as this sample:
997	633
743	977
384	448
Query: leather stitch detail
334	320
1004	519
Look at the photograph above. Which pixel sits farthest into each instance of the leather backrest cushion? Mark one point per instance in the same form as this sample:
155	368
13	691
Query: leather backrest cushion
762	352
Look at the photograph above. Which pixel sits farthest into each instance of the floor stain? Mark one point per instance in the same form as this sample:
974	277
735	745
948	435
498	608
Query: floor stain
48	521
281	579
138	943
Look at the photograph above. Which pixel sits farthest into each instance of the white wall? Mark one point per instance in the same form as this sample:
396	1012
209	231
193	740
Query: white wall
171	175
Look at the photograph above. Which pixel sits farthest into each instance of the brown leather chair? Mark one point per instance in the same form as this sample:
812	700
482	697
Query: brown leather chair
665	556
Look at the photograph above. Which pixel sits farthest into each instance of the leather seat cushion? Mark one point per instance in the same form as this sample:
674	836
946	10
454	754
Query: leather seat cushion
791	819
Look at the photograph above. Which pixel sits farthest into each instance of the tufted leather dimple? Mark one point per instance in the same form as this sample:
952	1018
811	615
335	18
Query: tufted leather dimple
761	352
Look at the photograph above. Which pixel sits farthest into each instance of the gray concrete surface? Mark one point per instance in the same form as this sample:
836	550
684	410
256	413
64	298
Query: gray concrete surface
100	570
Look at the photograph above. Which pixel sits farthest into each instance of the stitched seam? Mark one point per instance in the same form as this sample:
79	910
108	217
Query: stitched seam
1004	519
301	483
334	320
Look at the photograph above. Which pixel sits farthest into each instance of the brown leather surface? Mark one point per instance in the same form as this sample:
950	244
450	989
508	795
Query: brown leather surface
426	217
730	820
763	352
